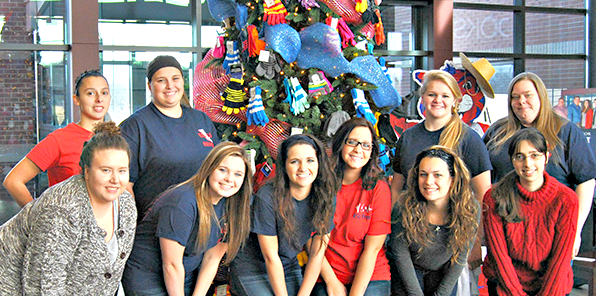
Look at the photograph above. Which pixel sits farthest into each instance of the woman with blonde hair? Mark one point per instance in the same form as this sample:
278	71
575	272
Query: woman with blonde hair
530	220
434	225
180	243
440	95
571	161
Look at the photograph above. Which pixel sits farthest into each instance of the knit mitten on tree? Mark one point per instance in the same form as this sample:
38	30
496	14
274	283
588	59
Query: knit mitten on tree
362	107
300	97
233	96
383	156
275	12
361	5
383	65
232	55
347	36
268	66
318	85
256	111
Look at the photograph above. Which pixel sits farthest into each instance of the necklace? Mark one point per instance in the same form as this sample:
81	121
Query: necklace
437	228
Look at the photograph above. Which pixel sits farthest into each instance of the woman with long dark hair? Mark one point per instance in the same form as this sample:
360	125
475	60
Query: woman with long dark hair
180	243
530	221
355	260
293	211
434	225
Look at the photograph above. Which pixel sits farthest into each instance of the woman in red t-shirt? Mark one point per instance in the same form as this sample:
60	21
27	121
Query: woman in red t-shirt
355	261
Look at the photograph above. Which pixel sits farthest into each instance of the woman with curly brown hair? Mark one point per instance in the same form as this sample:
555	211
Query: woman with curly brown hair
434	225
293	211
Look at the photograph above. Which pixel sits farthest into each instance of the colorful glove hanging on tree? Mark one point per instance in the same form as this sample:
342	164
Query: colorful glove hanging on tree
233	96
275	12
268	66
232	55
383	156
361	5
361	106
318	85
383	65
300	97
256	112
219	50
255	45
347	36
379	30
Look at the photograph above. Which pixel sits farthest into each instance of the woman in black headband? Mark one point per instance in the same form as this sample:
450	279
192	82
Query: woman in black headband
434	225
168	139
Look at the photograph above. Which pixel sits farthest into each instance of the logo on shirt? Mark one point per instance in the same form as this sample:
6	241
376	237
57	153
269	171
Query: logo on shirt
206	136
363	211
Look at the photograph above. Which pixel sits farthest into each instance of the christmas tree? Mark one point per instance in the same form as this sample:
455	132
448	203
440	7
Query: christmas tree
292	66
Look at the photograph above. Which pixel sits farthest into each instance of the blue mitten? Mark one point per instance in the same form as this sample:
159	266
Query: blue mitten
289	94
232	55
256	111
362	107
300	96
383	156
384	68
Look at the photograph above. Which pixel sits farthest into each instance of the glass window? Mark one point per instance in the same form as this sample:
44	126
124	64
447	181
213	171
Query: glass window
506	2
557	3
397	23
487	31
32	22
555	33
560	74
126	73
400	69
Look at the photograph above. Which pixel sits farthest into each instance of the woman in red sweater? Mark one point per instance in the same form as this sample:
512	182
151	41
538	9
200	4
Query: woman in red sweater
530	220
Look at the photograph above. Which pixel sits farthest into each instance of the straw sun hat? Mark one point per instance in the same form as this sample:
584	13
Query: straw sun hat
482	70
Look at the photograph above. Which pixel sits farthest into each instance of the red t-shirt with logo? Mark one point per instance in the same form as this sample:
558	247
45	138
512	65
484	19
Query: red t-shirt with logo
359	213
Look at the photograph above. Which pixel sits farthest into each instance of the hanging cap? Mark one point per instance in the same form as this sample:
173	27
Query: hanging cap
162	61
482	70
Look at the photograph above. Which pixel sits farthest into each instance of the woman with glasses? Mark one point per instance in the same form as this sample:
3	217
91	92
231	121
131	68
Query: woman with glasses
355	260
571	159
440	96
294	211
59	153
434	225
530	220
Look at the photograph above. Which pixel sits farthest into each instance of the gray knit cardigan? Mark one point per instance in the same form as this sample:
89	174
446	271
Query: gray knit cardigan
54	246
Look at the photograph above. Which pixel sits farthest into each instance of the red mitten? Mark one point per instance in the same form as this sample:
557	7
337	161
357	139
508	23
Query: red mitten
347	37
275	12
379	30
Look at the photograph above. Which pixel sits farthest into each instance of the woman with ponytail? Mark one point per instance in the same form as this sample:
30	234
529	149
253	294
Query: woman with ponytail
75	238
182	239
530	221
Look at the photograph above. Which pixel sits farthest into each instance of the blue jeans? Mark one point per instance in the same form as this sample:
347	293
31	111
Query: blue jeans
189	286
374	288
259	285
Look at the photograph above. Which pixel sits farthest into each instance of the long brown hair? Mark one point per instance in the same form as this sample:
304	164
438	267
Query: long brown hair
454	128
371	172
237	213
322	192
547	121
505	191
463	208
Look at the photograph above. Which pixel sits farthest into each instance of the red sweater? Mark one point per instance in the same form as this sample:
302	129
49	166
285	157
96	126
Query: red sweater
533	256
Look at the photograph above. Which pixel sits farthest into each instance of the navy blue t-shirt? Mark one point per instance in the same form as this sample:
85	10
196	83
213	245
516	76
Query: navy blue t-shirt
265	221
174	216
471	149
165	150
576	163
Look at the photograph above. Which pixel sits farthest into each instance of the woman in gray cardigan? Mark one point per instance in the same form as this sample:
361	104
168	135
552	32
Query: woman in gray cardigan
74	239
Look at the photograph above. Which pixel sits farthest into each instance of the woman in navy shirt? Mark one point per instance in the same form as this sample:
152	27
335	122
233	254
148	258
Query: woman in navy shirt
295	210
179	244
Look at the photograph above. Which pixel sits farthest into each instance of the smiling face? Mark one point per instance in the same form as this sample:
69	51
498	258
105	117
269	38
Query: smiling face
94	98
434	180
529	164
302	166
167	87
227	178
438	100
107	176
525	102
356	157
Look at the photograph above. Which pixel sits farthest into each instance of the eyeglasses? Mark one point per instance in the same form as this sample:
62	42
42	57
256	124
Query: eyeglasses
365	145
522	157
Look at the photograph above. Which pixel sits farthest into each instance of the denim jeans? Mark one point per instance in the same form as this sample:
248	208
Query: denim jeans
189	285
259	285
374	288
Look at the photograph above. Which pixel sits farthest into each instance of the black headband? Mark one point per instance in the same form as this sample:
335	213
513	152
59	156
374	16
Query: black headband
162	61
